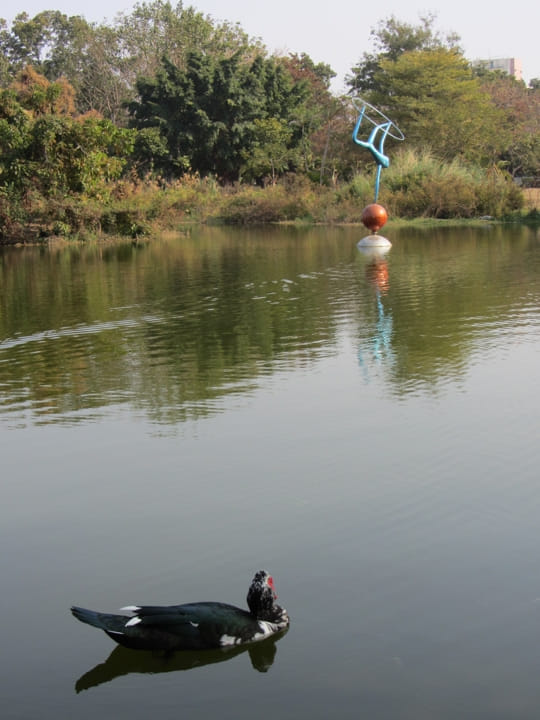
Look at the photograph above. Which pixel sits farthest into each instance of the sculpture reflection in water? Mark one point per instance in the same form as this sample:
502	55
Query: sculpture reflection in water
380	343
123	661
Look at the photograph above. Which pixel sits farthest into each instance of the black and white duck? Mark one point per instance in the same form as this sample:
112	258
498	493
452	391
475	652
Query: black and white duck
194	626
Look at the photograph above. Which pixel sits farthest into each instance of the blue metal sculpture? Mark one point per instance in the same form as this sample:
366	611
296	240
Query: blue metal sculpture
383	127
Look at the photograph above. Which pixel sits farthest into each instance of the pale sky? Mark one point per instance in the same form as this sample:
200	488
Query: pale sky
338	32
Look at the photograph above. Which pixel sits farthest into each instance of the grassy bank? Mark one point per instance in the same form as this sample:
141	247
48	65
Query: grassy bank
413	187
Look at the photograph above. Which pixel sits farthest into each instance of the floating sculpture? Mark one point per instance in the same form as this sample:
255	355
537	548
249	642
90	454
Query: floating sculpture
374	215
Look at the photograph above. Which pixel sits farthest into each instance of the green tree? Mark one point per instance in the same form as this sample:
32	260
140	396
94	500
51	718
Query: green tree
57	46
103	61
420	78
519	110
157	29
79	155
332	145
437	103
5	68
100	81
51	42
204	114
15	123
46	150
318	108
270	153
392	38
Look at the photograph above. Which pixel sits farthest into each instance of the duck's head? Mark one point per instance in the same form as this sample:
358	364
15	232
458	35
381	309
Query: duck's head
261	599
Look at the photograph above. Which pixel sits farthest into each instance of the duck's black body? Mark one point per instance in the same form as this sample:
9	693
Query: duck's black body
195	626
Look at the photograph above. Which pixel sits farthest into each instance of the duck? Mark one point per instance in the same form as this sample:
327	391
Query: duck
194	626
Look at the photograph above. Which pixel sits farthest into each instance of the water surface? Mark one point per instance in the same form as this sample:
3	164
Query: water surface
177	413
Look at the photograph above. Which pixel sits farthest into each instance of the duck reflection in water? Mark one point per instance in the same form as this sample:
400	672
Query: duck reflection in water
123	661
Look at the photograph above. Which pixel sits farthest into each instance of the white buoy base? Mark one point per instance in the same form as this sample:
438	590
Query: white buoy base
374	241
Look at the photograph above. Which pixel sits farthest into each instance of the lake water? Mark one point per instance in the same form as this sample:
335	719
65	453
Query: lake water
178	413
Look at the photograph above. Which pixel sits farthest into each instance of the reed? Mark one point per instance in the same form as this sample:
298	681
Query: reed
416	185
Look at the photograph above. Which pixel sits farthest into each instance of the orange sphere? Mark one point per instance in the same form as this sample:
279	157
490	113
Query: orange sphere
374	217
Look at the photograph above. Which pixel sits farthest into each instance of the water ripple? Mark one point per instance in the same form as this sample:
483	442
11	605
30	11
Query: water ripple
78	330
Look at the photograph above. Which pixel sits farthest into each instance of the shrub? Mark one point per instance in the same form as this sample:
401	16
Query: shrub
418	185
498	195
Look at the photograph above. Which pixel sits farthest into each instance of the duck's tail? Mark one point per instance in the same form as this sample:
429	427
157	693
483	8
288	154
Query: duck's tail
87	616
103	621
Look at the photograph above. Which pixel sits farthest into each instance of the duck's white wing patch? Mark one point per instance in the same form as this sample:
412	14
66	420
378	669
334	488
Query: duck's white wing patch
266	629
228	640
133	621
131	608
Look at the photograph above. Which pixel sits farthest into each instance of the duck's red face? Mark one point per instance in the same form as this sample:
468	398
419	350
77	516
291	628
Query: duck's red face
270	583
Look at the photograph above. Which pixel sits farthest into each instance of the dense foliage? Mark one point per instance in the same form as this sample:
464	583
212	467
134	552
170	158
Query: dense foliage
213	114
90	113
424	83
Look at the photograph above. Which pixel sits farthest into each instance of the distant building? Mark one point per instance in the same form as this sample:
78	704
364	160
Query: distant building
511	66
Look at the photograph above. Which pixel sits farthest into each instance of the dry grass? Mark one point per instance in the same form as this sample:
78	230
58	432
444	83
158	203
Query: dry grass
532	198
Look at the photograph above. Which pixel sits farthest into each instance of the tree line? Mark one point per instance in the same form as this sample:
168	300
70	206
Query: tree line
164	91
